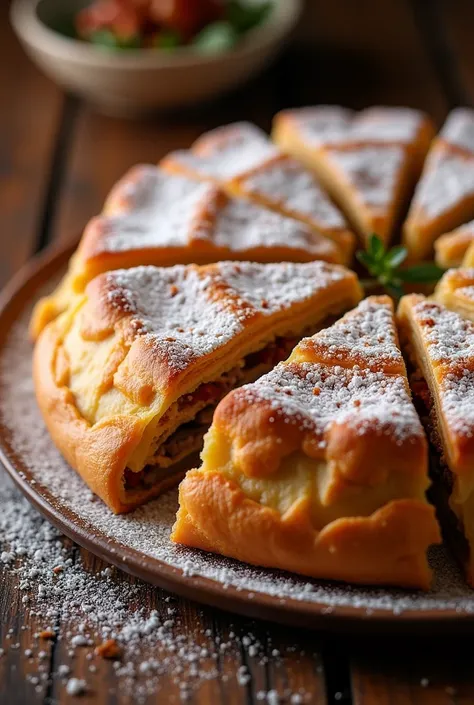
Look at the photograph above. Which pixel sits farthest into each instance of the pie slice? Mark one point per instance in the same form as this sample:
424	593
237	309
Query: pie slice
320	467
152	217
468	259
451	248
455	290
444	197
369	161
128	377
441	345
242	158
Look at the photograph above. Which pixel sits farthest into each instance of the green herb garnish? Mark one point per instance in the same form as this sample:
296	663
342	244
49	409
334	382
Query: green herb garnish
244	16
216	38
168	40
385	267
108	40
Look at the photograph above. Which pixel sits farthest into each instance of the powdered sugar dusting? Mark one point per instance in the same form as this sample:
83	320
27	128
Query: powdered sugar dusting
466	292
457	400
161	212
227	152
449	337
399	125
188	312
314	396
242	226
366	335
147	529
449	342
242	151
296	189
323	124
91	615
447	180
459	129
332	125
373	171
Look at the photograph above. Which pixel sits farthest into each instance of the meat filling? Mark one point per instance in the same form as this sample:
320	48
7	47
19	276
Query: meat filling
188	437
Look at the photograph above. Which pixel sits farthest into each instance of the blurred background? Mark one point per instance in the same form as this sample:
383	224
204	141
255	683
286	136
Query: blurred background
80	106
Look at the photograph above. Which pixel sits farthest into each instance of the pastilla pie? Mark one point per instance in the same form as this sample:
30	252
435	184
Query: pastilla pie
369	161
455	290
320	467
451	249
444	197
246	163
153	217
441	345
128	377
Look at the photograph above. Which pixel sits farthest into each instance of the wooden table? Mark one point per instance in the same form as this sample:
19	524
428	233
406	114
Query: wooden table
58	160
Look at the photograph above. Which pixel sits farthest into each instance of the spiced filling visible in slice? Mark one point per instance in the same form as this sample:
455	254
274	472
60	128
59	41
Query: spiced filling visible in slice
175	443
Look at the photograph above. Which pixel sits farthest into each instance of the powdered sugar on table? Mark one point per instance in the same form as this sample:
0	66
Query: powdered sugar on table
147	529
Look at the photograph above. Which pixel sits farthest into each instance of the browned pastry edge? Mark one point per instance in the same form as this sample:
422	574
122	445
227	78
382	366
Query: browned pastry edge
443	477
388	547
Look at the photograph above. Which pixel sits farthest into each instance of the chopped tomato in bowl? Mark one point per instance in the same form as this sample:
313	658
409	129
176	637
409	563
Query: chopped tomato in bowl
207	25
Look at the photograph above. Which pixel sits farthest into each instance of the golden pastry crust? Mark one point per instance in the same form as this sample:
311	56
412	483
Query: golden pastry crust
242	159
368	161
441	345
383	548
468	259
140	353
223	154
451	248
322	461
444	196
455	290
155	218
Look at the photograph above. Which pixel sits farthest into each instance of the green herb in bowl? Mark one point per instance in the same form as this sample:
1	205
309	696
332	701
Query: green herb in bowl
208	26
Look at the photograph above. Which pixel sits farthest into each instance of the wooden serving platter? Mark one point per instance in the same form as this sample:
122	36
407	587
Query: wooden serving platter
139	542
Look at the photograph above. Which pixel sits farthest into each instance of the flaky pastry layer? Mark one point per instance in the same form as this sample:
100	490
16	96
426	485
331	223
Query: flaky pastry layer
367	161
451	248
440	343
455	290
109	371
242	159
153	217
444	196
323	462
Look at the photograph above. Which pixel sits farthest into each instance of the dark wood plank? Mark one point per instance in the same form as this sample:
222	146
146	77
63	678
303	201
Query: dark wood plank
240	667
366	53
103	148
455	20
225	659
355	54
21	674
363	54
30	113
413	672
30	116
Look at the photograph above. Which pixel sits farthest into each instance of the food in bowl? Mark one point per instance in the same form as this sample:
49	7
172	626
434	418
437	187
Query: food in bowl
209	26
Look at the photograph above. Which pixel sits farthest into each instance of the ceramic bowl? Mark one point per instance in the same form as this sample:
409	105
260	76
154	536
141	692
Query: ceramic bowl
138	81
